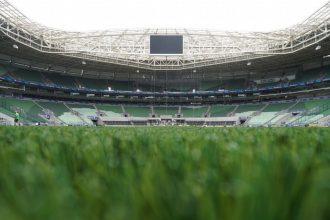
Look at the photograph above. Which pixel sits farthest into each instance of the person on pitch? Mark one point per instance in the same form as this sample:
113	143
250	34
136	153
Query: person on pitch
16	118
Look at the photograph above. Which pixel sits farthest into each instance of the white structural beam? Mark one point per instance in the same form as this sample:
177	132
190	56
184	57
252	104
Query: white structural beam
131	47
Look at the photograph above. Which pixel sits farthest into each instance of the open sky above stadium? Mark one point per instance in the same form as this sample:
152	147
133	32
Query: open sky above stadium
231	15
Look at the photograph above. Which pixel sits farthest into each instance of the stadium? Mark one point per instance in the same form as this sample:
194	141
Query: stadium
199	77
164	123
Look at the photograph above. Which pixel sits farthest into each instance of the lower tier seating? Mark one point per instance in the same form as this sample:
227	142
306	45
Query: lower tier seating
263	114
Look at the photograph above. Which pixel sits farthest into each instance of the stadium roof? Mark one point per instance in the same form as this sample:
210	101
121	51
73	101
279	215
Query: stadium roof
131	47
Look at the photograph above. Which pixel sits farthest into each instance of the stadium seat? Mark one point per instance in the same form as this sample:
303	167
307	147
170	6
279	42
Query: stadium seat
137	111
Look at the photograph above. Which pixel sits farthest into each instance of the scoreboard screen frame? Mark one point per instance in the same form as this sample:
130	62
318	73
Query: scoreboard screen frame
166	45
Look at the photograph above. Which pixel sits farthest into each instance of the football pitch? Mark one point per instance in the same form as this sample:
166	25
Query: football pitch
164	173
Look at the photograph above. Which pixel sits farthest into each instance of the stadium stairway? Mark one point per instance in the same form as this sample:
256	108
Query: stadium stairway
5	119
325	121
84	111
248	110
233	112
266	114
110	111
281	109
81	112
208	111
221	110
294	105
179	111
60	111
30	113
312	116
138	111
52	118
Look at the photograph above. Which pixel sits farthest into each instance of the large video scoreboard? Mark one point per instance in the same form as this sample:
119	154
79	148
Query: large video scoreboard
166	44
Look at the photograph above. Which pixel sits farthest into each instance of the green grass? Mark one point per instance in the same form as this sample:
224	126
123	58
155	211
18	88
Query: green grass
164	173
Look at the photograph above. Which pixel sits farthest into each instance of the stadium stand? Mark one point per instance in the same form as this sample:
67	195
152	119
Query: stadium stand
92	83
3	71
28	75
193	112
28	109
138	111
83	111
62	112
132	87
61	80
169	111
117	85
110	110
262	118
221	110
301	112
248	110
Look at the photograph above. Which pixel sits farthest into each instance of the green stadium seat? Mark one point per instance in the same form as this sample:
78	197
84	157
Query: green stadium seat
262	118
277	107
193	112
166	111
29	75
30	111
60	80
111	110
98	84
84	111
136	111
221	110
62	112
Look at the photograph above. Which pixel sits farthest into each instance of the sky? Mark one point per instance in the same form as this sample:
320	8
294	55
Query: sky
225	15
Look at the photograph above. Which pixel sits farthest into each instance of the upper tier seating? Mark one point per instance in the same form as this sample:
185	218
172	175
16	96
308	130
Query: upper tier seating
3	71
61	80
148	85
99	84
28	75
308	75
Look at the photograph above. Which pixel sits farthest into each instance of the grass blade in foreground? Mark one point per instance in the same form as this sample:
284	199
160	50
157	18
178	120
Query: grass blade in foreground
164	173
